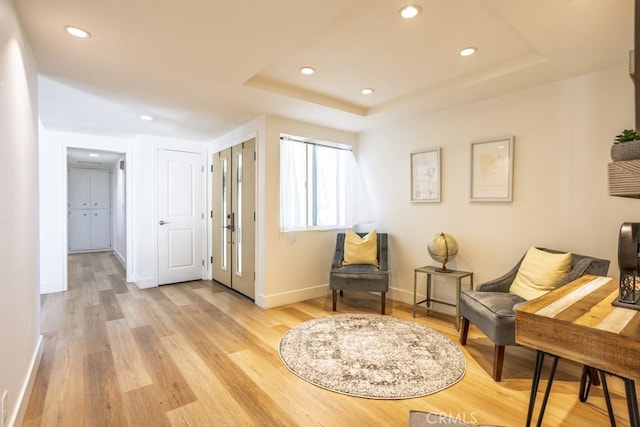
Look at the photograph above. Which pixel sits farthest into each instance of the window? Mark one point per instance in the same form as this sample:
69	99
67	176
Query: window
316	185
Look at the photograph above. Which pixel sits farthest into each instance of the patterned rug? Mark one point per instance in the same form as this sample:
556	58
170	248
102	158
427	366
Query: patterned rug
372	356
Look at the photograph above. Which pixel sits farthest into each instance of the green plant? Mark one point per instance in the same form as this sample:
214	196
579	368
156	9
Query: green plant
626	135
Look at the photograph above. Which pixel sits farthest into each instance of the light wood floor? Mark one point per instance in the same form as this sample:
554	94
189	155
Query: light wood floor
198	354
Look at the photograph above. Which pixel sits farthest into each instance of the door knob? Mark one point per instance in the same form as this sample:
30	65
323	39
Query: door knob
162	222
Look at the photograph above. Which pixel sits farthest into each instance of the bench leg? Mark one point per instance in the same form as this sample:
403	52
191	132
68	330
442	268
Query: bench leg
334	296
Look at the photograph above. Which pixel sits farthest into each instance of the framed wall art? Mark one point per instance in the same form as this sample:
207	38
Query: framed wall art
425	175
492	170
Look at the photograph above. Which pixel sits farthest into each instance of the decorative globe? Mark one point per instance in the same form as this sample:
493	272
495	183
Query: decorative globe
443	248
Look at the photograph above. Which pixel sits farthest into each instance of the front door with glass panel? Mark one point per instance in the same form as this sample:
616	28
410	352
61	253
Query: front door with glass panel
233	217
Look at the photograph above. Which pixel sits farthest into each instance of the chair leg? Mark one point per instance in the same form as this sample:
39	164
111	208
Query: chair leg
498	360
383	301
334	296
464	331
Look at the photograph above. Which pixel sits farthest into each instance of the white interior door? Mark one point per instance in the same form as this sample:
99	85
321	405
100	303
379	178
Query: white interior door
180	216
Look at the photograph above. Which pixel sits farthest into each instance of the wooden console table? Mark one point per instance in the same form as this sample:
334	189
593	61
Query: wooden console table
578	322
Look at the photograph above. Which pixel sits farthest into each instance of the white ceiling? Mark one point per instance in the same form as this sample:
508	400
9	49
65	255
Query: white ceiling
94	159
204	67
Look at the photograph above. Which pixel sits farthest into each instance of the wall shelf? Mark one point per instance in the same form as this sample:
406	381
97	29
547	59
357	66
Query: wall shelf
624	179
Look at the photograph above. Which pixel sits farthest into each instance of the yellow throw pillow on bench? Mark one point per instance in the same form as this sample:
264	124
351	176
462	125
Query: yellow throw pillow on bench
540	272
360	250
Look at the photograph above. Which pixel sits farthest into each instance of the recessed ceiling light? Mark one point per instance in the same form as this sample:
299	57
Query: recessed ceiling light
307	71
366	91
77	32
410	11
468	51
146	117
94	155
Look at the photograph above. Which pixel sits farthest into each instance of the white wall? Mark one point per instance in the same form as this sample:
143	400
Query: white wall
53	197
290	267
139	202
297	264
143	174
19	291
563	133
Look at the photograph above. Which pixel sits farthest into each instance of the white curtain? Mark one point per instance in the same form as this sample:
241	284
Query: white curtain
340	196
358	205
293	179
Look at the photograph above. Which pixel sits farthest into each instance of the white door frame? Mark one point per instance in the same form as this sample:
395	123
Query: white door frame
128	158
205	227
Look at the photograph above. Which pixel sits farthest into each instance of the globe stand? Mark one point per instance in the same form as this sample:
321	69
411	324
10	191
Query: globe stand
444	269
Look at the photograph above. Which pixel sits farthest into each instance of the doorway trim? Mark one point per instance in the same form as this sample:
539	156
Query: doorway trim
128	158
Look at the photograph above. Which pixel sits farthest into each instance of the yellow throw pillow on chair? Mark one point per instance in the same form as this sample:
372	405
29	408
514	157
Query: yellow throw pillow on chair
540	272
360	250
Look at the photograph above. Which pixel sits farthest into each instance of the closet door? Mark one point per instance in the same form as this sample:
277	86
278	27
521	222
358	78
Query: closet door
79	229
89	218
79	188
100	184
100	229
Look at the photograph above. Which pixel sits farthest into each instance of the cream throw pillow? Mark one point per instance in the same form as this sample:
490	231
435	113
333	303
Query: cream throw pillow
360	250
539	273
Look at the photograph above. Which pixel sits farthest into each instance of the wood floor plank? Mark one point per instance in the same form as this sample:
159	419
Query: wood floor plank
43	378
205	383
94	335
244	392
173	387
130	369
103	398
176	295
110	304
144	407
63	405
199	354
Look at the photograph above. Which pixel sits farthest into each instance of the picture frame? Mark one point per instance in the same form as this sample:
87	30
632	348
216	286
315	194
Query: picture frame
492	170
425	176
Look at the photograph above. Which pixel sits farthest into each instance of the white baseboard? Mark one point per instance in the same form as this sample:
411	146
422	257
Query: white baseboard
284	298
51	287
405	296
145	282
402	295
17	416
120	258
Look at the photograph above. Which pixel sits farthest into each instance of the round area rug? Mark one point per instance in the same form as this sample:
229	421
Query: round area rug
373	356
